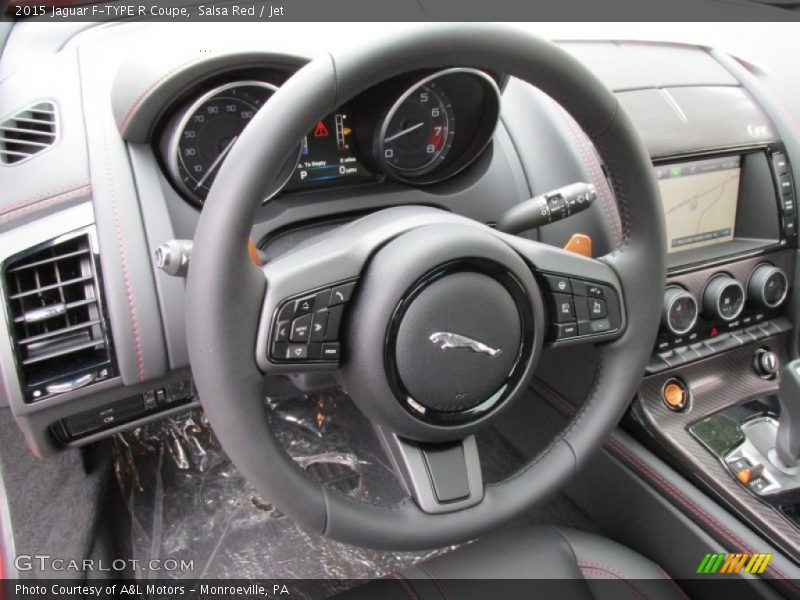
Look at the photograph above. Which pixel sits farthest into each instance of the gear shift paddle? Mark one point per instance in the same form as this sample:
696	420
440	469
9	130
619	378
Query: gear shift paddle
787	444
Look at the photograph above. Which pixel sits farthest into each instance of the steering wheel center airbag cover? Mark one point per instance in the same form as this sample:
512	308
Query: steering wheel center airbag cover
456	340
444	332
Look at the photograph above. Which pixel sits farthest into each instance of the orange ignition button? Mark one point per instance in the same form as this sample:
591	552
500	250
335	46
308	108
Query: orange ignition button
674	394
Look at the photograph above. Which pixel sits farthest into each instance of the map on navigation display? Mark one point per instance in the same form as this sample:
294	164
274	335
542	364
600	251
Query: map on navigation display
700	199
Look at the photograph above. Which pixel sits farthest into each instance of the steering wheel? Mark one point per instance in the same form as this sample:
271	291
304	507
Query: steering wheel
439	320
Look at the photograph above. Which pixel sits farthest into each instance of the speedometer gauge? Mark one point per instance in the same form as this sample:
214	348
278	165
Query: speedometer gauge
418	131
208	130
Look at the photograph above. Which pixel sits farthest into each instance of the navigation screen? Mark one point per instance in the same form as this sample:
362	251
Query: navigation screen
699	201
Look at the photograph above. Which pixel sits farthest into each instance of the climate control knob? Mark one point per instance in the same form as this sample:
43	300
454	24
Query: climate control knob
680	311
768	286
723	298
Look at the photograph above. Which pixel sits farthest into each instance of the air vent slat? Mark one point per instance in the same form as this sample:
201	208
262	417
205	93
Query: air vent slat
71	348
68	306
28	132
58	326
21	142
47	260
50	334
55	286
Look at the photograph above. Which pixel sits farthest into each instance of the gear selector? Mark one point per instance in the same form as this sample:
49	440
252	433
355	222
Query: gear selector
787	445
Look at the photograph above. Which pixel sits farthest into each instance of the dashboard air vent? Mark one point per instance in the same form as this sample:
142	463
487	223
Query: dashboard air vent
28	132
55	313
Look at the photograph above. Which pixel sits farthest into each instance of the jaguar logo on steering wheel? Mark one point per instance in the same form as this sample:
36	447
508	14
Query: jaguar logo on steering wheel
447	341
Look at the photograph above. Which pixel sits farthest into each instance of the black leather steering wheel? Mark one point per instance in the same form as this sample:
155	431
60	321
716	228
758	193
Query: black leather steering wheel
413	269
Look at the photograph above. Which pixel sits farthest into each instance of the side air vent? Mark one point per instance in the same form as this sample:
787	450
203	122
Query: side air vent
55	314
28	132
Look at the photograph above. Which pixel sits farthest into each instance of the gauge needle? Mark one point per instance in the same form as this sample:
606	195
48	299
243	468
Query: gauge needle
401	133
216	162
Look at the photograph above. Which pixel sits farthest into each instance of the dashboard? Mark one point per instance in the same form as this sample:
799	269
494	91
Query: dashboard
419	129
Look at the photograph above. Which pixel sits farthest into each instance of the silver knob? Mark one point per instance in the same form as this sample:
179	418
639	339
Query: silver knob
173	257
768	286
766	363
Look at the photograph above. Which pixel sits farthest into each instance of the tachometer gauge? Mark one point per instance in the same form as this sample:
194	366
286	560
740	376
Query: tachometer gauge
418	131
208	130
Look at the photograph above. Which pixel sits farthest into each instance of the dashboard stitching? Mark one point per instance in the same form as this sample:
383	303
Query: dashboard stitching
124	263
595	171
555	398
45	196
35	205
123	124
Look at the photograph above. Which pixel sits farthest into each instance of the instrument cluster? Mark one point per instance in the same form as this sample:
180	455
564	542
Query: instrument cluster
419	129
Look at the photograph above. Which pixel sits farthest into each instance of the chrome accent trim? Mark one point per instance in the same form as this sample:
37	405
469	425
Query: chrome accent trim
426	80
174	140
42	314
454	341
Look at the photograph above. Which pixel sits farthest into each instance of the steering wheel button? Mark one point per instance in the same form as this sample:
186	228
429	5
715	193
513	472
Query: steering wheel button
564	331
330	351
321	299
558	284
601	326
595	291
319	325
597	309
297	352
342	293
304	305
301	329
286	312
564	308
279	350
334	320
282	331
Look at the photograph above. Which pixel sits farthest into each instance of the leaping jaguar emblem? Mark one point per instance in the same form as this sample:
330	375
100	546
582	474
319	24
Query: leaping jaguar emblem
446	341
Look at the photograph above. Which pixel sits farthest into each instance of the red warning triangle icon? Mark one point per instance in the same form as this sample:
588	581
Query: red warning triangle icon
320	130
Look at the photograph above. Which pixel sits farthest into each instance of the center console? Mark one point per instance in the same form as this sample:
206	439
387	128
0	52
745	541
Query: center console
709	402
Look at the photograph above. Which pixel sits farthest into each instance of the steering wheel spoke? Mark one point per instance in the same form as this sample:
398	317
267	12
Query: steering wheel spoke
441	478
583	296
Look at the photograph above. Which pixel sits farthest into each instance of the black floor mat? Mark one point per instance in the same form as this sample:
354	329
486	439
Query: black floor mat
186	501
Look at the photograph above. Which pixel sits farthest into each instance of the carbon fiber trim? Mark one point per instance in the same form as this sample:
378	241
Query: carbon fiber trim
717	383
691	119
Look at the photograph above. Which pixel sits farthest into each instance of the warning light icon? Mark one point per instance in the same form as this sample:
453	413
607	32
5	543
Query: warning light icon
321	130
